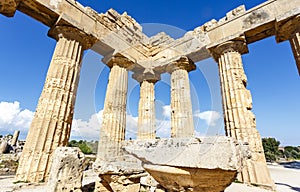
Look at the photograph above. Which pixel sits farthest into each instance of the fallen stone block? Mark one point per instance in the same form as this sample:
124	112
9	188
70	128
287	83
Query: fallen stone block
66	172
196	164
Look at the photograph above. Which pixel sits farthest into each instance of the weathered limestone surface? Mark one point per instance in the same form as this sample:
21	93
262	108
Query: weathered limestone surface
123	183
8	7
288	28
112	131
119	174
237	104
51	125
295	44
66	170
15	138
181	106
148	183
119	33
3	146
212	166
146	118
115	169
9	144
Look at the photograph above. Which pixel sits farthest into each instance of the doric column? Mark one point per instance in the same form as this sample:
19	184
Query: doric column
237	104
146	118
288	28
182	124
14	140
51	125
112	131
9	7
295	44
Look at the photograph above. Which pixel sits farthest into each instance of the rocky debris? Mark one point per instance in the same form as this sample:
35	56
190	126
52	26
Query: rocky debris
148	183
66	172
10	144
10	151
8	164
229	16
195	164
124	164
121	173
119	183
3	147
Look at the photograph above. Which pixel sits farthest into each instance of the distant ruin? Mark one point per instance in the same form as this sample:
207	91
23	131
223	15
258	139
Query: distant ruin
124	47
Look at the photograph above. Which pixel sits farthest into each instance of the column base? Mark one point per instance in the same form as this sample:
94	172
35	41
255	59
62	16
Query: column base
256	173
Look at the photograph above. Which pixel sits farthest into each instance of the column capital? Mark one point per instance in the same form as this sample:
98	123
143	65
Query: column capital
287	27
73	33
118	59
9	7
182	63
235	45
148	75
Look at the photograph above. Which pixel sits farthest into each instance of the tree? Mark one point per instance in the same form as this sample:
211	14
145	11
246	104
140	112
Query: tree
82	146
292	152
270	146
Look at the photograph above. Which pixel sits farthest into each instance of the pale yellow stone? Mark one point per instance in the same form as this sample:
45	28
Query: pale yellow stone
239	120
295	44
120	33
15	138
146	118
112	131
182	124
51	125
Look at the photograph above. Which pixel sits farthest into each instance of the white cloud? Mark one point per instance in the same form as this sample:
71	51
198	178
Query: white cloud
210	117
163	123
12	117
163	128
90	130
87	130
131	126
167	111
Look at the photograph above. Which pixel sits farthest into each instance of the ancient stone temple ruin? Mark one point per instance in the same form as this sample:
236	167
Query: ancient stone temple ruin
124	47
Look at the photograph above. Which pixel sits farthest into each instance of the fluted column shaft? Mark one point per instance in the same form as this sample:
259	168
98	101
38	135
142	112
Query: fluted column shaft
51	125
238	118
114	115
295	44
182	124
146	119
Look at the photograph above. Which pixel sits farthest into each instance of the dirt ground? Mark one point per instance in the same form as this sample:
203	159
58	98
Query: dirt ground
286	177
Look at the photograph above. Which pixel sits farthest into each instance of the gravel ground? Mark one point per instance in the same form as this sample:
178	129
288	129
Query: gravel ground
286	177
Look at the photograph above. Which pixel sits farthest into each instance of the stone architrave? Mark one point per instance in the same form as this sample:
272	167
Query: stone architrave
146	117
51	125
288	28
112	131
181	105
237	104
66	172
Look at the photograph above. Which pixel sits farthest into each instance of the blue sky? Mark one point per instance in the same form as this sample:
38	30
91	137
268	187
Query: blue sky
25	53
